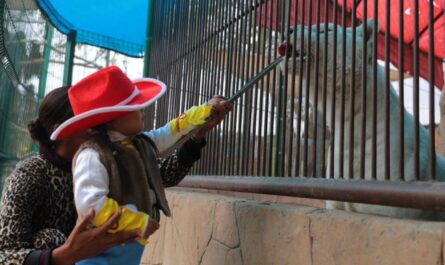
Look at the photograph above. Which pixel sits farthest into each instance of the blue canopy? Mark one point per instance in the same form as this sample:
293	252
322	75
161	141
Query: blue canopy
112	24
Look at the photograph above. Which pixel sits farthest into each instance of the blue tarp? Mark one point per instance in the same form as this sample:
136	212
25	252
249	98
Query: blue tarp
112	24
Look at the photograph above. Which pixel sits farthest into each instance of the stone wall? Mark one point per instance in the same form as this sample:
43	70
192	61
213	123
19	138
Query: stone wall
210	229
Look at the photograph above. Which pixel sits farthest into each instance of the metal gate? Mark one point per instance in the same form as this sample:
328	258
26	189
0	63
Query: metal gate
337	108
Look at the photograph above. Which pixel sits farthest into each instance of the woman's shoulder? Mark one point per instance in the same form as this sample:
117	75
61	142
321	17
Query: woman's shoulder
34	168
33	163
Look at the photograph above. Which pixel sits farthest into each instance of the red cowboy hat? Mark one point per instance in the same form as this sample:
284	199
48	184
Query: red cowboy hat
104	96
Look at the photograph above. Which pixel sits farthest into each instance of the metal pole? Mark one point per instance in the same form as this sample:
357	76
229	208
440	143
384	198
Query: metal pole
46	57
148	39
69	59
44	74
432	149
421	195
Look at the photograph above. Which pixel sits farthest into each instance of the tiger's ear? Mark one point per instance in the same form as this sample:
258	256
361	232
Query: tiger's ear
369	28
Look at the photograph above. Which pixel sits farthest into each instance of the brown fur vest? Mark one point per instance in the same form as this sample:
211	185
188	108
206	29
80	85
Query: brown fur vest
132	172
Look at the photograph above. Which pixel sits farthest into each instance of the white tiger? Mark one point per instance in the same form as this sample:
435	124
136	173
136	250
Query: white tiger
309	54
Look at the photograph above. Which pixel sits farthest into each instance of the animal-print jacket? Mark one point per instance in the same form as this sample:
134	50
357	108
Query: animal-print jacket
37	209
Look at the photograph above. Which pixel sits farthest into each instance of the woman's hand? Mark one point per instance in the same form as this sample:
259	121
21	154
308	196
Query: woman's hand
220	108
152	226
84	242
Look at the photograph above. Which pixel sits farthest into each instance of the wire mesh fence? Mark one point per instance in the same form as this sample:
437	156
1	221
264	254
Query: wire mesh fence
22	44
33	56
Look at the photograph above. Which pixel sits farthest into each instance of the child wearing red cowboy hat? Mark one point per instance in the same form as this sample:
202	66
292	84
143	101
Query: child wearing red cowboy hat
117	170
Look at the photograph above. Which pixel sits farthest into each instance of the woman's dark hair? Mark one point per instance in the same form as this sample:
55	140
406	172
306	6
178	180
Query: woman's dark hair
54	110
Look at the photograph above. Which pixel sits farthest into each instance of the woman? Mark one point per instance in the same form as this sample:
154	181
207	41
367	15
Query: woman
37	210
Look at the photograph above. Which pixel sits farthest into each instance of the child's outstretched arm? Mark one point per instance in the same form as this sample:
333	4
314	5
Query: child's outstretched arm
91	191
168	135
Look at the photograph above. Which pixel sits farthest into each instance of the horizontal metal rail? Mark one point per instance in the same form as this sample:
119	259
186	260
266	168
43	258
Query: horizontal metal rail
421	195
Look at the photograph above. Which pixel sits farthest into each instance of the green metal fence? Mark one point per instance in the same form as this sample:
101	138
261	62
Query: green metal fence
27	67
33	61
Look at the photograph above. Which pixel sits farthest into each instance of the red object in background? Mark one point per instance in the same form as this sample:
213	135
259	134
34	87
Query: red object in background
439	38
408	16
269	20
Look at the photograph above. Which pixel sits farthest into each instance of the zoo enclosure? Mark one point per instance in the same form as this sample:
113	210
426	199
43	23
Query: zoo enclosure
204	48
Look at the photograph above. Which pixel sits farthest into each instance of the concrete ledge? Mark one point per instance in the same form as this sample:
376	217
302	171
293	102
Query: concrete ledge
209	229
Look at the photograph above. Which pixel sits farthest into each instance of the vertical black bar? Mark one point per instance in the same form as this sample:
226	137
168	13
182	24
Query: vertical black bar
228	132
184	59
292	86
374	94
206	91
292	100
364	86
274	79
159	106
300	89
248	95
267	159
193	55
343	84
237	84
416	91
225	58
190	59
179	60
401	92
233	142
307	94
155	65
243	72
282	99
432	149
325	84
334	92
281	143
168	74
352	94
233	76
173	76
223	73
316	84
255	90
387	87
221	40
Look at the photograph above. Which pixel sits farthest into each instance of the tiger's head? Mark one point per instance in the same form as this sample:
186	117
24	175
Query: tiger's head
301	51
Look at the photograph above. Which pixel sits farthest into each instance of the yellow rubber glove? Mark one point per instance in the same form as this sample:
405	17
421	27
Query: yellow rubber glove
189	120
129	220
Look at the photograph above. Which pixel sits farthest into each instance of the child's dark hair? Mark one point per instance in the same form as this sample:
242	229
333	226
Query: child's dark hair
54	110
101	131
